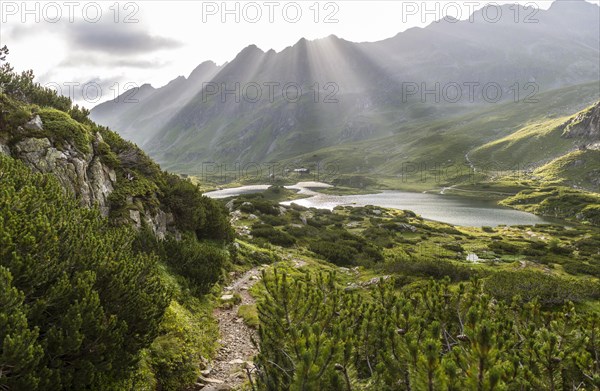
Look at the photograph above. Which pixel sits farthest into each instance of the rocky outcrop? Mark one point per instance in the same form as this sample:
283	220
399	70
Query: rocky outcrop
159	223
82	174
4	149
34	124
585	126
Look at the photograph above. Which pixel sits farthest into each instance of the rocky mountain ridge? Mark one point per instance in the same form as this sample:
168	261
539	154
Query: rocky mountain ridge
353	92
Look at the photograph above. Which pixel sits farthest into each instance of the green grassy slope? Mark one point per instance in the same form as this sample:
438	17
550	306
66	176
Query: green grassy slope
578	169
529	145
541	142
426	154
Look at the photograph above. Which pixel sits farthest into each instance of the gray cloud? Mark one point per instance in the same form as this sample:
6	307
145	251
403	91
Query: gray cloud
131	63
102	37
81	58
113	38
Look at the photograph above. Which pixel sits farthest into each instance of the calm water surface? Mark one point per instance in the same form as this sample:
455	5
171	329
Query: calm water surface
449	209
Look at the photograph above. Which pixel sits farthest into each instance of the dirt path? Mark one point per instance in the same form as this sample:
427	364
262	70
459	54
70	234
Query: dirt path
237	350
227	371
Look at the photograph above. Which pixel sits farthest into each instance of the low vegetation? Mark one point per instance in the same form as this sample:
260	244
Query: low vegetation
79	303
459	308
315	335
249	314
559	202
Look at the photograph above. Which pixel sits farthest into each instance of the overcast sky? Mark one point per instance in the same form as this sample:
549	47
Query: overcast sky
132	43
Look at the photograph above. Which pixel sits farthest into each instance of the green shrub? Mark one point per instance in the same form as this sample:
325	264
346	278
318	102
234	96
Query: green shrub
550	290
336	253
588	245
579	267
430	335
60	127
556	248
379	236
107	156
185	337
419	267
456	247
303	231
193	212
248	254
503	247
273	235
170	354
139	187
257	205
591	213
92	303
12	114
199	262
274	220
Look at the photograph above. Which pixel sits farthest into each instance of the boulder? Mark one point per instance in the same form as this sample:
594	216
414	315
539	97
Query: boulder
135	216
34	124
4	149
208	380
206	372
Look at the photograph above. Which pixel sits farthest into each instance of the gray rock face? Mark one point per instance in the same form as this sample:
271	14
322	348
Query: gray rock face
81	174
135	216
159	223
586	125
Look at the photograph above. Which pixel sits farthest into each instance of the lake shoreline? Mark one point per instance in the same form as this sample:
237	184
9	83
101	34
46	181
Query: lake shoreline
450	209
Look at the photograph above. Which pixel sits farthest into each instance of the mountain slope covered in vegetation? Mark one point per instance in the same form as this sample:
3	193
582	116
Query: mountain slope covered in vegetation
354	92
105	260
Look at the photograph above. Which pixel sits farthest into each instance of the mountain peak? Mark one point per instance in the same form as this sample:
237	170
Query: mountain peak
146	87
329	38
252	48
178	79
249	51
203	68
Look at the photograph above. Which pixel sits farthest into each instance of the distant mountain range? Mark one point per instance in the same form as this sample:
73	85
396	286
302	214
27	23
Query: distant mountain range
357	92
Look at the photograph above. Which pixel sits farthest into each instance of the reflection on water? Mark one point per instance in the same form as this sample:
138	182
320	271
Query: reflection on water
452	210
